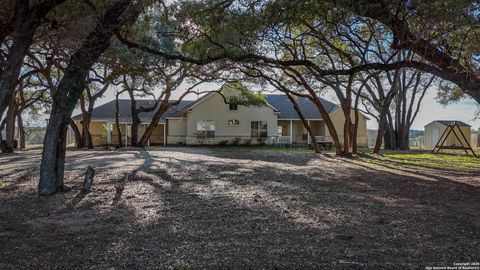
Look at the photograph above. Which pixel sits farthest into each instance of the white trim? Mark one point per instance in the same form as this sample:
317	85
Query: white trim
308	133
164	135
126	134
291	131
298	119
109	133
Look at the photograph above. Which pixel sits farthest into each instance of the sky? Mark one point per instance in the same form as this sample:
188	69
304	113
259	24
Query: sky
429	111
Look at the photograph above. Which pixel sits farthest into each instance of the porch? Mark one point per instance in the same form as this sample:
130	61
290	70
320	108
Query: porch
293	132
105	133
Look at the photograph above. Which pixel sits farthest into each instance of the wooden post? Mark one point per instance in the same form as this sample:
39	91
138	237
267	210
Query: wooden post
87	183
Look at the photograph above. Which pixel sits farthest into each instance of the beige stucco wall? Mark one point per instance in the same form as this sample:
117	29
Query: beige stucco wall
98	129
215	109
338	119
176	131
451	139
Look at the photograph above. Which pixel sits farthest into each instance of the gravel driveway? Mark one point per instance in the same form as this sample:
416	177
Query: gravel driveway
191	208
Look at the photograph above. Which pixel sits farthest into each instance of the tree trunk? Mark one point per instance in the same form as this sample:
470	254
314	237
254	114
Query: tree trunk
2	127
86	118
347	146
389	132
380	133
355	126
10	127
27	18
329	124
305	123
78	136
21	131
68	92
86	135
154	123
117	122
54	149
22	39
135	118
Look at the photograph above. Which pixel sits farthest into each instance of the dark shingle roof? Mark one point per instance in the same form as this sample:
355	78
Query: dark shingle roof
107	111
447	122
307	107
279	102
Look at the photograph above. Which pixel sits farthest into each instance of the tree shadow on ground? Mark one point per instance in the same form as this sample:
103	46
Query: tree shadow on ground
207	210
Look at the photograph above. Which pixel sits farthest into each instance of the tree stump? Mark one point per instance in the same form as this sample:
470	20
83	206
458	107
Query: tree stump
87	183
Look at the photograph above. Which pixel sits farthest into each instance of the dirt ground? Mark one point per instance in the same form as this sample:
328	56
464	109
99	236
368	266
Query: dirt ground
220	208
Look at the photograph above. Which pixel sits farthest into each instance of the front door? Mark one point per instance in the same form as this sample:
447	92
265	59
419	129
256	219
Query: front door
434	137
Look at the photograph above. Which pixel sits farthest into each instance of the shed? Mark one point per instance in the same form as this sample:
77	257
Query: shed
435	129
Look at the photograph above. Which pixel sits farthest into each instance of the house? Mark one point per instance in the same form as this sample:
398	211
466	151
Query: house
435	130
210	120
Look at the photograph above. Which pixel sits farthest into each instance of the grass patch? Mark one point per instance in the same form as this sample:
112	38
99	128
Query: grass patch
425	159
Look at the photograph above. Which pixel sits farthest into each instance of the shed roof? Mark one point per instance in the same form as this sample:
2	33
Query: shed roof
448	122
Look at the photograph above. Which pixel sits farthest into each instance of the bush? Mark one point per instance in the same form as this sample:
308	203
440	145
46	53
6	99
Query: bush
261	141
248	141
223	142
236	141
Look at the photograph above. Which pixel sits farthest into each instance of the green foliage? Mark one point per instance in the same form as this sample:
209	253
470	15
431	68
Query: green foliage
247	142
246	97
181	265
261	141
236	141
449	93
223	142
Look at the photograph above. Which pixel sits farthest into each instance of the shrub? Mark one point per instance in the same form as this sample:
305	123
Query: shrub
181	265
248	141
236	141
261	141
223	142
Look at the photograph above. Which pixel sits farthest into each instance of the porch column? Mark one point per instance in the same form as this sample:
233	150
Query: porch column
308	133
126	134
109	133
165	133
291	131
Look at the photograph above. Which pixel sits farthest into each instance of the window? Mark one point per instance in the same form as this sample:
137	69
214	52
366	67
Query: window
206	129
259	129
233	122
233	107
